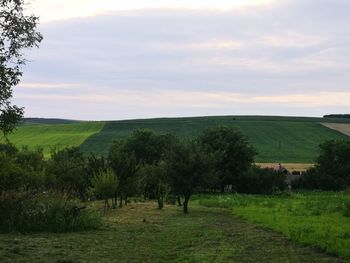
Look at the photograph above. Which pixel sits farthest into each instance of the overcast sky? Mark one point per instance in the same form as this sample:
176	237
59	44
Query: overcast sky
112	59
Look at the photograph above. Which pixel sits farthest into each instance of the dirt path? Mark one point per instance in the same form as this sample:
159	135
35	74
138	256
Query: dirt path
141	233
258	244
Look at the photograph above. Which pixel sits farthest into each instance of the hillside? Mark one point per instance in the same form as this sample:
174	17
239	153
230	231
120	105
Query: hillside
47	136
277	139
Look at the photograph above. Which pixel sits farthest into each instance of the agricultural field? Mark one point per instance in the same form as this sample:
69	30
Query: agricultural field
277	139
141	233
340	127
319	219
55	135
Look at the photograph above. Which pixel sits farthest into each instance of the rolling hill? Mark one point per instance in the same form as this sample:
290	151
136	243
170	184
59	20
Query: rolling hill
277	139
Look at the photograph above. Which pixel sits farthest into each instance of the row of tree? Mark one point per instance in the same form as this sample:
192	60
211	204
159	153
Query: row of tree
157	166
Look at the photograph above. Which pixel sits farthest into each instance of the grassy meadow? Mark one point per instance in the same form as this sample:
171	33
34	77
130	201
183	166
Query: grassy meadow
277	139
141	233
320	219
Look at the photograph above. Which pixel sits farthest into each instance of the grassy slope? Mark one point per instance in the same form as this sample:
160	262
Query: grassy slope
205	235
277	139
311	218
60	135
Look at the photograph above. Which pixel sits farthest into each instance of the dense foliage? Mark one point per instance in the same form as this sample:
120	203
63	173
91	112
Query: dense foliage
332	169
233	153
35	198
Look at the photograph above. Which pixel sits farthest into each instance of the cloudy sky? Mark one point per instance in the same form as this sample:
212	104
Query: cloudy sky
113	59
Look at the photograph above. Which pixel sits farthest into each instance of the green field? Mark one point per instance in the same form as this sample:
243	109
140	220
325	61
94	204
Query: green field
141	233
56	135
277	139
319	219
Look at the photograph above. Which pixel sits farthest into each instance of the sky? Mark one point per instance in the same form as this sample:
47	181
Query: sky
112	59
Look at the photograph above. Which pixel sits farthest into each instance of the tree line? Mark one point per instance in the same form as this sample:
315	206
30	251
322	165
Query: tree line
150	166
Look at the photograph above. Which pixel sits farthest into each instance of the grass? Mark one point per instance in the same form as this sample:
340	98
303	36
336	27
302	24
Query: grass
319	219
277	139
49	136
205	235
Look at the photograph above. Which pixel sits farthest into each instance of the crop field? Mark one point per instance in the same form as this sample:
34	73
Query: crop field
141	233
320	219
277	139
57	135
340	127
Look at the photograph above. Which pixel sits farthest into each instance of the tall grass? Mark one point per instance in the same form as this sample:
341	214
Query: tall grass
320	219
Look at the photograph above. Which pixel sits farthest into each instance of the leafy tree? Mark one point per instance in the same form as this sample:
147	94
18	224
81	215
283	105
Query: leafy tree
149	147
188	166
154	178
123	163
11	175
21	170
95	166
104	186
17	33
67	171
233	153
332	169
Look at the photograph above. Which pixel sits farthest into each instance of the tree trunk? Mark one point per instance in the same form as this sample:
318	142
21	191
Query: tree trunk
126	200
121	201
185	206
160	202
106	208
115	201
179	201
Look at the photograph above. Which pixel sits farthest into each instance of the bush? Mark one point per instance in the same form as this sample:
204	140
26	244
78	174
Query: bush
332	169
26	213
261	181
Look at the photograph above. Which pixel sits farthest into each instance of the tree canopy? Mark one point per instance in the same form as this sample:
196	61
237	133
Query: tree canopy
234	154
17	33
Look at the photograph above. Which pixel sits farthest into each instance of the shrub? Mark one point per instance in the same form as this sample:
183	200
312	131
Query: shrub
261	181
23	212
104	186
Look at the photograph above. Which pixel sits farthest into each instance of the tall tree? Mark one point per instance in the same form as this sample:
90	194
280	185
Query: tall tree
234	154
17	33
188	167
123	163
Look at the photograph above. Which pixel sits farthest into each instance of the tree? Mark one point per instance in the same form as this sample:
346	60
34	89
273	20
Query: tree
123	163
188	165
154	179
233	153
17	33
148	147
104	186
332	168
67	169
